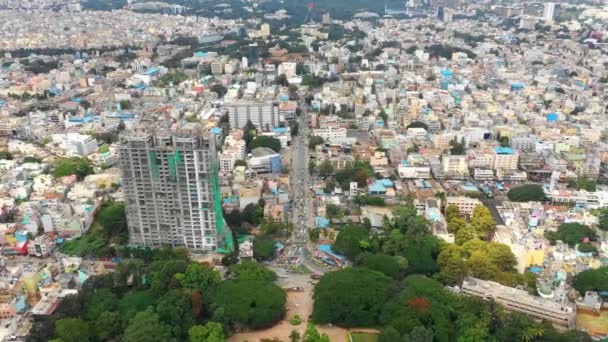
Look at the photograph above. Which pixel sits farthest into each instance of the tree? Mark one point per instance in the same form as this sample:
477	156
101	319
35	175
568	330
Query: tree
219	89
294	336
504	141
314	141
266	141
349	240
175	309
418	124
591	280
527	193
452	211
571	234
249	270
281	80
465	234
100	301
263	248
163	273
6	155
73	330
350	297
31	159
312	334
81	167
199	277
603	220
146	326
457	148
108	325
325	169
482	221
254	304
210	332
249	133
386	264
455	224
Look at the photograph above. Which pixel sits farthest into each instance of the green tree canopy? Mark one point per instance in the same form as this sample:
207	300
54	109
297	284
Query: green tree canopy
210	332
349	240
199	277
263	248
81	167
253	271
591	280
314	141
571	234
146	326
253	304
73	330
527	193
350	297
266	141
386	264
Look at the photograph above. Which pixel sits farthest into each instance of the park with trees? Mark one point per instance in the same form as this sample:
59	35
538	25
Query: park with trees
162	295
398	278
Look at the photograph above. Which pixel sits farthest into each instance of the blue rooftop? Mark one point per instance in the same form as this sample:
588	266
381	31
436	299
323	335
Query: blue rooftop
139	86
327	249
387	183
280	130
504	150
376	188
216	130
321	222
151	71
552	117
201	54
447	72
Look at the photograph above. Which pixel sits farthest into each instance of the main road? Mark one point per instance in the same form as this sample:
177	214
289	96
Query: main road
302	213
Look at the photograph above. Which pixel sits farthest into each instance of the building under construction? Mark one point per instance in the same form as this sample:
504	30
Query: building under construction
172	192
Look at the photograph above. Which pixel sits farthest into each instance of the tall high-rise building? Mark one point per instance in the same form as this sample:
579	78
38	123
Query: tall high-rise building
549	11
170	181
252	54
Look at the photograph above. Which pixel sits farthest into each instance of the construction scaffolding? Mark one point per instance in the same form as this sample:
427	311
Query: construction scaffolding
224	234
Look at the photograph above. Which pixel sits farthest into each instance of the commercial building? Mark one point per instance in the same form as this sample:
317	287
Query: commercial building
520	301
505	158
170	179
549	11
261	114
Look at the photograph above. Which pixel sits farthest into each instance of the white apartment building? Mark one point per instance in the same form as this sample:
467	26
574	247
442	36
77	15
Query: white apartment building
261	114
483	174
330	133
454	165
414	172
464	204
480	160
505	159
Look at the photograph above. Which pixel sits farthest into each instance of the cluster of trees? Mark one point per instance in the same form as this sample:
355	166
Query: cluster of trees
369	200
481	225
527	193
591	280
175	78
108	230
266	141
314	141
457	148
418	308
38	66
81	167
358	172
405	236
166	298
483	260
583	183
389	288
242	221
571	234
